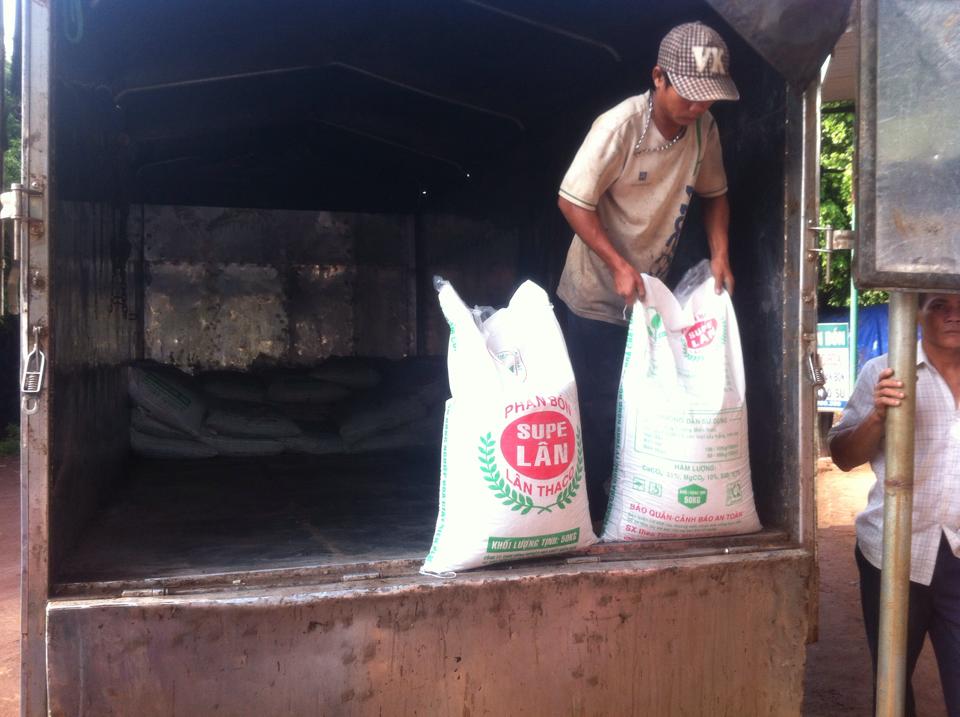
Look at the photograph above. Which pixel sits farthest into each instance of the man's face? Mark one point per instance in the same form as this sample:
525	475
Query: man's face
940	321
680	111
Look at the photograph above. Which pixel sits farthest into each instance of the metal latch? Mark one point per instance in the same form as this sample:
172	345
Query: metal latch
834	240
34	368
816	375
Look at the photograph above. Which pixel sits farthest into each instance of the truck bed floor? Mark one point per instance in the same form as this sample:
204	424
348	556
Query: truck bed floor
170	518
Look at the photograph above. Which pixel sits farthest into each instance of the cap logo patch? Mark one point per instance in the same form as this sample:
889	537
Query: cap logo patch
711	58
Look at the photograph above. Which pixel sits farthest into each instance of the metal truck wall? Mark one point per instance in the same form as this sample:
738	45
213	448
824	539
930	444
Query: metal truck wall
908	146
236	288
95	316
643	638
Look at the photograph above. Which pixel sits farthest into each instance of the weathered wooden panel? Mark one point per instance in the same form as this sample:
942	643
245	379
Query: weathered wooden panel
720	635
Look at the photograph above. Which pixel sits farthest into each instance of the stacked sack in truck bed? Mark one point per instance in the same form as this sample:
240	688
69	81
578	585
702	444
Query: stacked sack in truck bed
344	405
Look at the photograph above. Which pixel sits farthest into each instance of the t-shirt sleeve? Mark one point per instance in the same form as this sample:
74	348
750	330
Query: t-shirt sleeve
711	179
597	165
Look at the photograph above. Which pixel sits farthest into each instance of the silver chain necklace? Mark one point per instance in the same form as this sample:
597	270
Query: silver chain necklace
637	148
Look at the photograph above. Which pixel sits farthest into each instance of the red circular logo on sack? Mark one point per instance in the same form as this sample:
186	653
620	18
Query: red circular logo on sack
701	333
540	445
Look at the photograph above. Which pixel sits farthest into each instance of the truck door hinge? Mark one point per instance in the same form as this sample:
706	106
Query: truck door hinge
24	207
834	240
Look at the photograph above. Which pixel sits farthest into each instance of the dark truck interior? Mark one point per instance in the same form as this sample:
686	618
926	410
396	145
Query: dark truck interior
243	184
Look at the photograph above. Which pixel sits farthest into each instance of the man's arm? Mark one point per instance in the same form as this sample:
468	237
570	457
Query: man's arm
626	280
716	221
857	446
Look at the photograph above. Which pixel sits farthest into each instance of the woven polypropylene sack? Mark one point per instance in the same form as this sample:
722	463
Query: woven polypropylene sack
250	422
242	447
144	444
168	396
512	481
143	422
681	463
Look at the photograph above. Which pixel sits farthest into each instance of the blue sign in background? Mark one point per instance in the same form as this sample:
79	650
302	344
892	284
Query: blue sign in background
833	345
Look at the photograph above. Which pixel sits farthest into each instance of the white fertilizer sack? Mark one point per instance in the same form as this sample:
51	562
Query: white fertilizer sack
250	422
417	434
234	386
319	444
243	447
681	466
144	444
380	414
143	422
512	481
304	389
167	395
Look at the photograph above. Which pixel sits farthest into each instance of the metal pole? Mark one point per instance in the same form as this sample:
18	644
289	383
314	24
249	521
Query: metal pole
897	510
854	321
854	305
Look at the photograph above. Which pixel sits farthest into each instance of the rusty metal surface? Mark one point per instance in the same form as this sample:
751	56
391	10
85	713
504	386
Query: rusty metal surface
224	315
307	571
95	316
94	288
36	310
799	295
718	635
795	36
231	287
235	287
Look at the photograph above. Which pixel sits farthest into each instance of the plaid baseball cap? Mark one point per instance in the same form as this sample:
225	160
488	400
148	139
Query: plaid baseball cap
697	61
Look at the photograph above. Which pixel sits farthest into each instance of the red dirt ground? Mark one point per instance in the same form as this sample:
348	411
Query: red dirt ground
838	668
838	679
9	586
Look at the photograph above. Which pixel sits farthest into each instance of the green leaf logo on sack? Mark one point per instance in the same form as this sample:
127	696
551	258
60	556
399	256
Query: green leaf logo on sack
701	334
516	493
655	324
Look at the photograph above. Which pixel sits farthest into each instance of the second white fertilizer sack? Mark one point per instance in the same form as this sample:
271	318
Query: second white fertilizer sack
512	481
681	463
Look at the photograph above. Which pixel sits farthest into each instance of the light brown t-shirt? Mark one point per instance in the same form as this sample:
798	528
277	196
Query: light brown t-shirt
641	199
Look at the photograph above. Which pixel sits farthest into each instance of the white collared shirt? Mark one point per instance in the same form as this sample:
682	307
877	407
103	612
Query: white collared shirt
936	486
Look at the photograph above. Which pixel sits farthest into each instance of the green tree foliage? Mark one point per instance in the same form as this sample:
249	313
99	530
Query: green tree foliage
11	144
837	204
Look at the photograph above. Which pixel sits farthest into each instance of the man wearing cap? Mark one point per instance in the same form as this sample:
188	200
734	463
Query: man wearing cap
626	195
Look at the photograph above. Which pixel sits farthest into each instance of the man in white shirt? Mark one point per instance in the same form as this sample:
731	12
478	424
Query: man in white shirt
935	548
626	195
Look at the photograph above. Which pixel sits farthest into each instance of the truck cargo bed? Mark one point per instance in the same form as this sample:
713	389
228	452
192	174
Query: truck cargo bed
188	517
